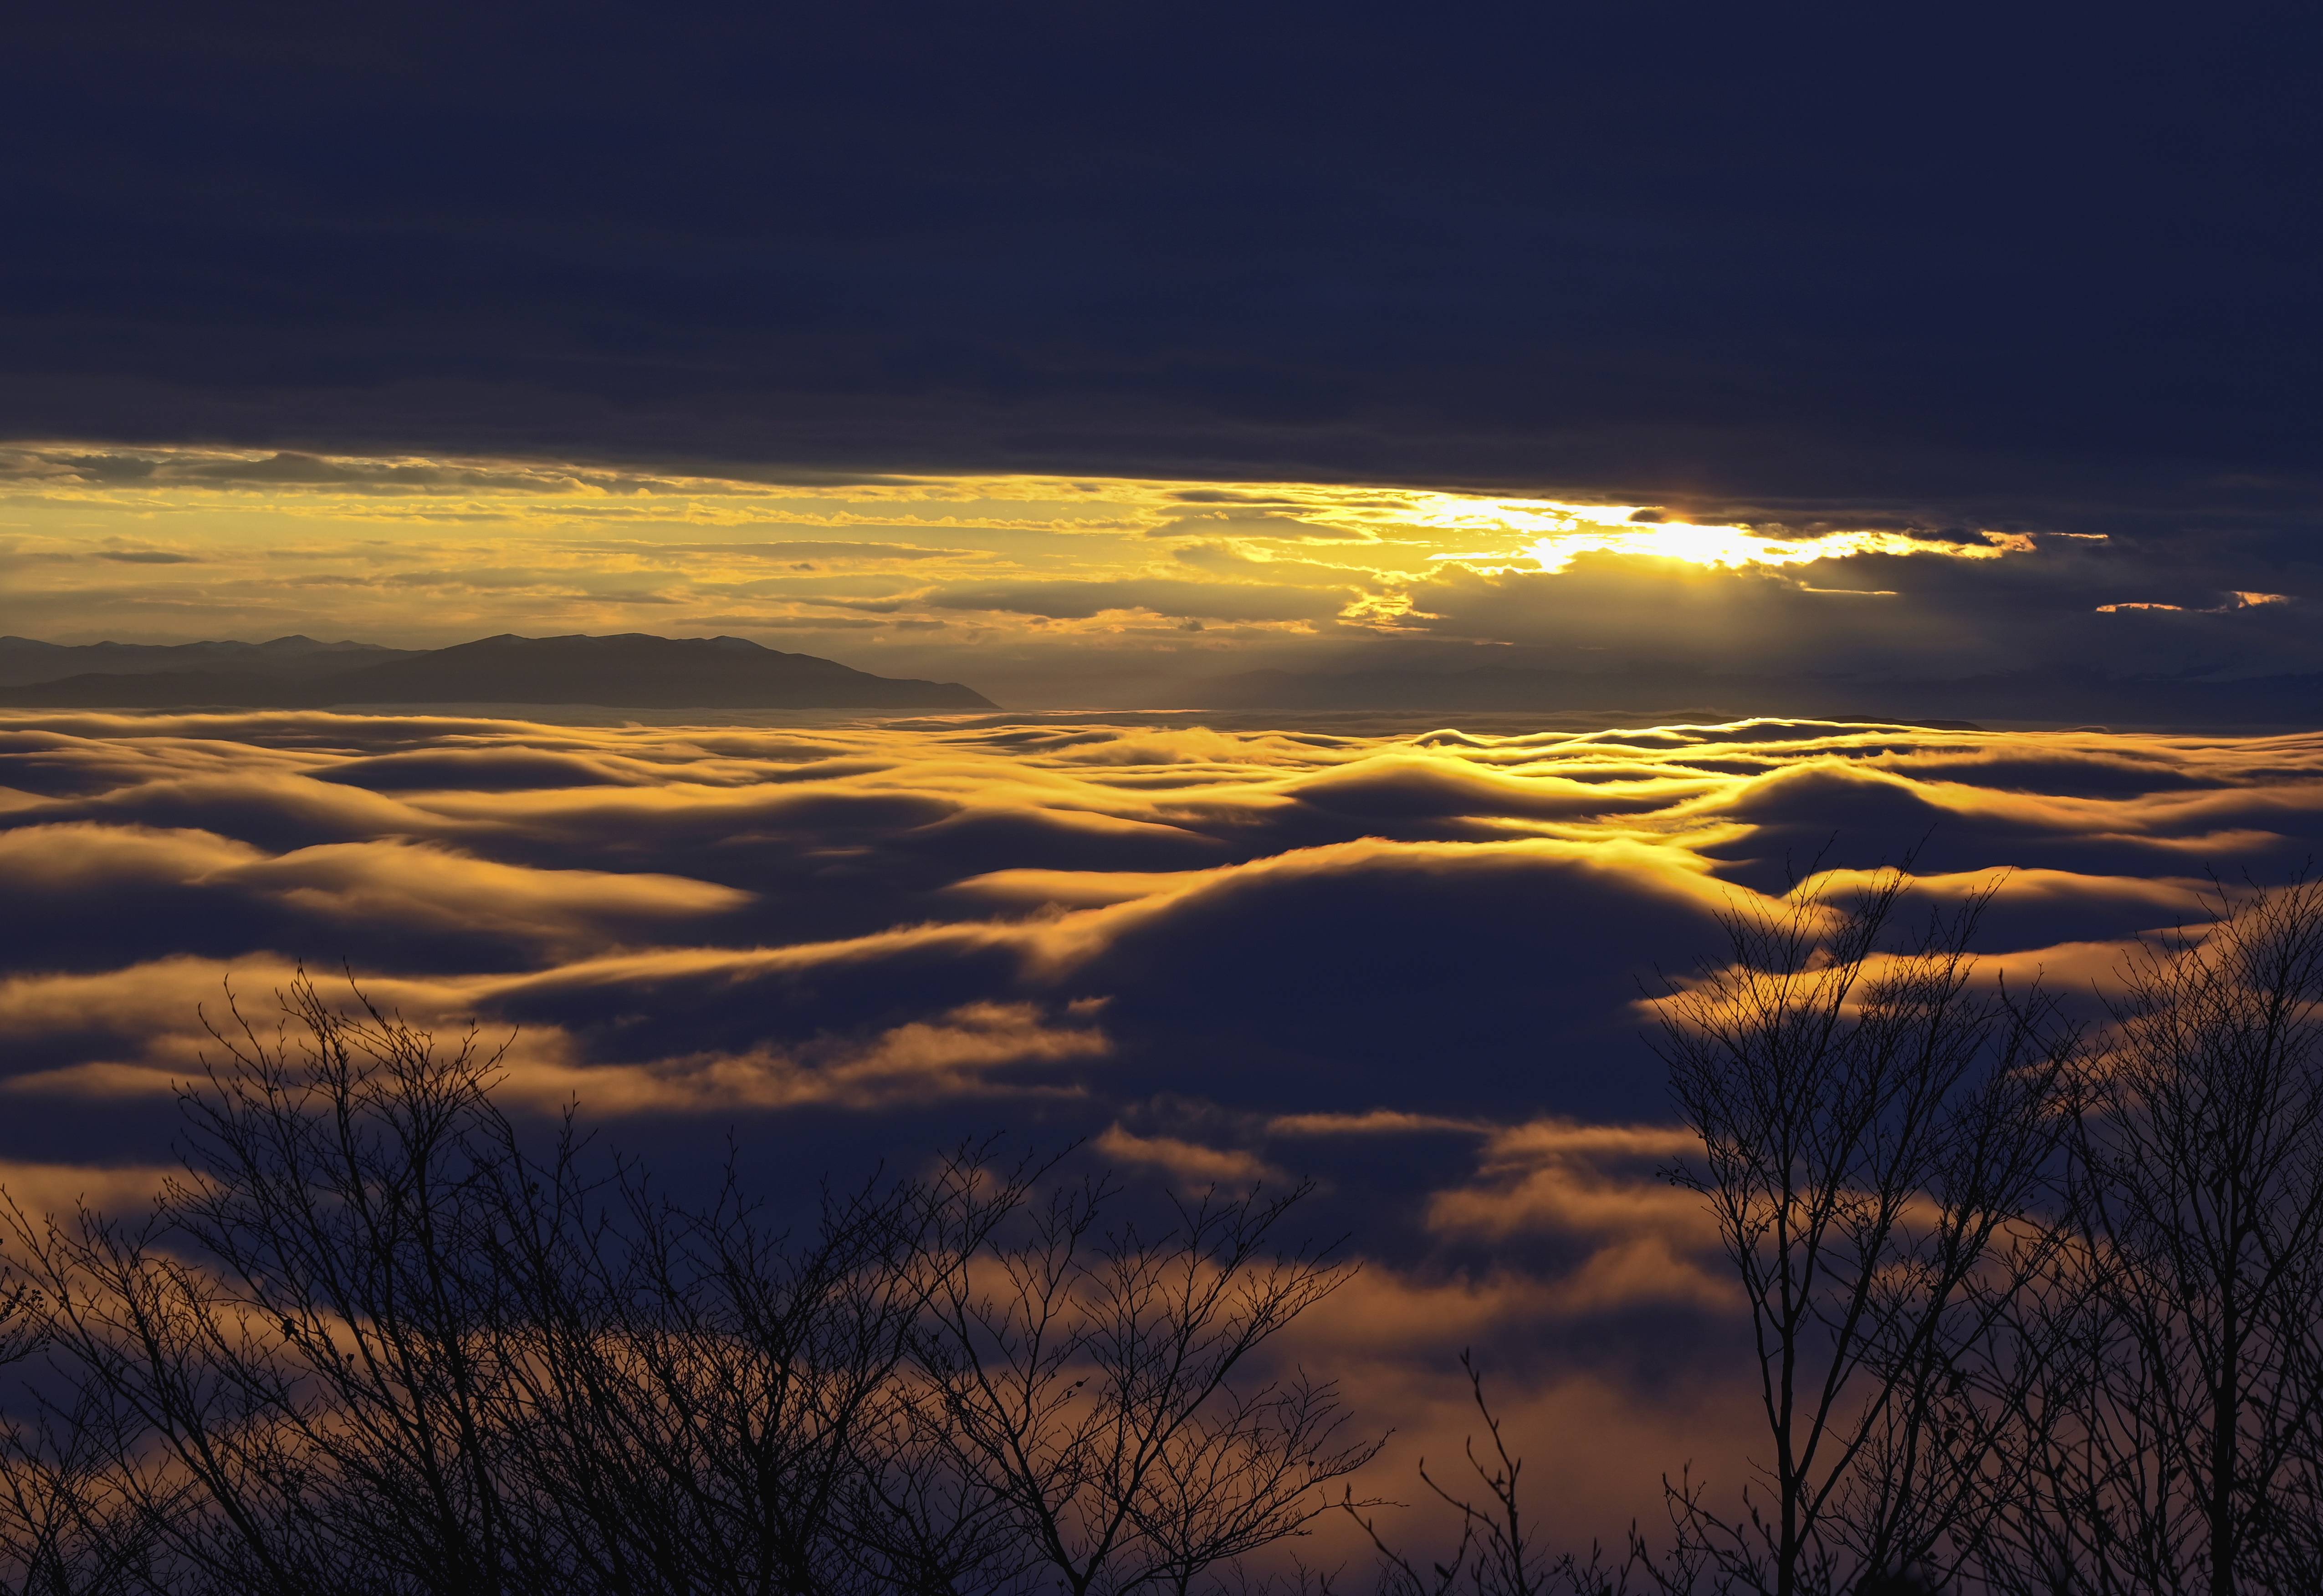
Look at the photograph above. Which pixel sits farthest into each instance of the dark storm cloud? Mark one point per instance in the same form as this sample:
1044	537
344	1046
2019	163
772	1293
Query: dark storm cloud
68	465
2066	605
1991	267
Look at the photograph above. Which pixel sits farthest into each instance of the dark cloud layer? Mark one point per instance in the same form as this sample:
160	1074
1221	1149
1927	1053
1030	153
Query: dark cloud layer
1985	264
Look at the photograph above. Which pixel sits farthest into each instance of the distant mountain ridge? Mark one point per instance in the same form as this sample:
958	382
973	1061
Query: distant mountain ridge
24	661
628	670
2021	695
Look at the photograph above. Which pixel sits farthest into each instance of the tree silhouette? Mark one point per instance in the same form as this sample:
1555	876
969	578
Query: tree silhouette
1875	1127
367	1342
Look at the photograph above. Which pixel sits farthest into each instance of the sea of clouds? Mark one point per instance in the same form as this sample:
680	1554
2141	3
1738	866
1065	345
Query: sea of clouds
1416	965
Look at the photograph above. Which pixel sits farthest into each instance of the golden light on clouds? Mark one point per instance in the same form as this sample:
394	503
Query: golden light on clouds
158	485
1036	590
1553	534
156	508
2236	599
1734	547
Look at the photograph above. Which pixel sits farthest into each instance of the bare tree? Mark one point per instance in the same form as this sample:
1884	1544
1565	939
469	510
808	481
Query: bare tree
374	1340
1875	1129
1100	1386
1499	1551
2034	1309
721	1407
64	1529
292	1358
366	1343
2178	1339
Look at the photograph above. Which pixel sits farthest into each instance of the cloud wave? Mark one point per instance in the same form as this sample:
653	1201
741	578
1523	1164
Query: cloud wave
1410	962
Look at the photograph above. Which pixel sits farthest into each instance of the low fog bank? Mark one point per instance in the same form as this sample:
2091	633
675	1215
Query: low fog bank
1410	963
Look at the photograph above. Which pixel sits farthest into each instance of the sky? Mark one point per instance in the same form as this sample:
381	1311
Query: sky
1095	356
1964	266
376	322
1090	591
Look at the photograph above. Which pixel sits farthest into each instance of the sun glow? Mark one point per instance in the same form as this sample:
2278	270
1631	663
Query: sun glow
187	540
1733	547
548	498
1554	535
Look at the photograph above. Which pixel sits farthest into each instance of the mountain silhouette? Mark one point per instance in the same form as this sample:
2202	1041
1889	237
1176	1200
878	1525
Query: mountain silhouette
631	671
2049	695
24	661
